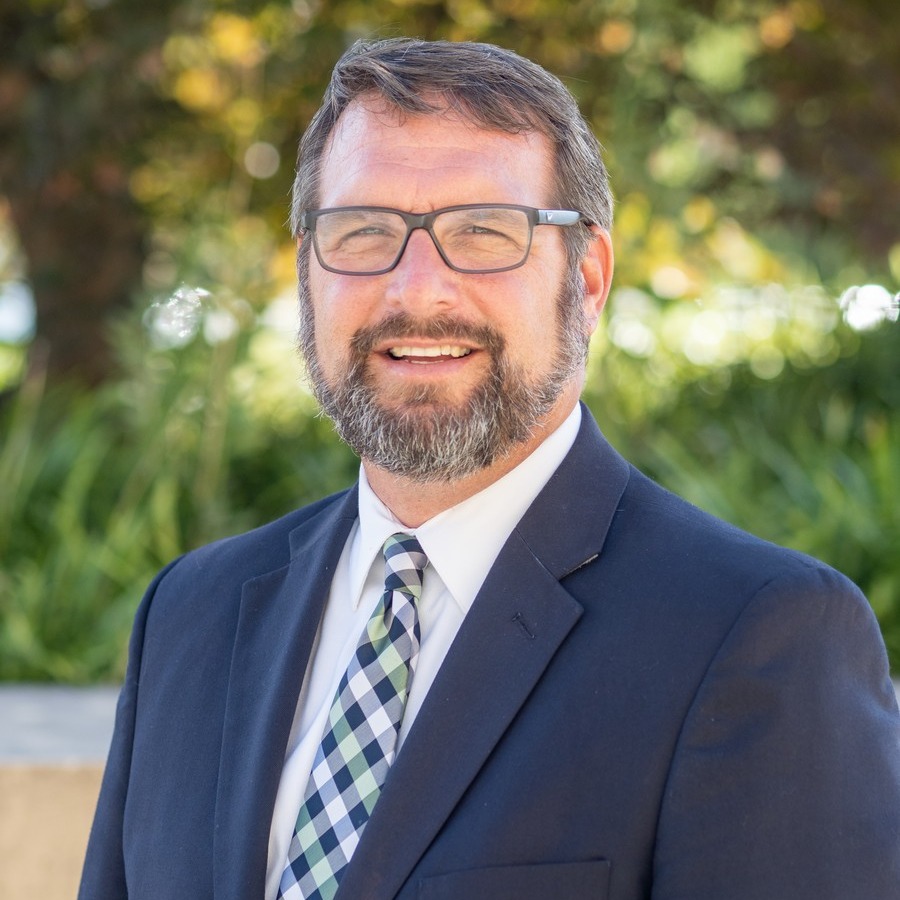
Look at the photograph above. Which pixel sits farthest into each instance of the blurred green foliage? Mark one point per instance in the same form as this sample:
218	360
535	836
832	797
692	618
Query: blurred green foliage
753	147
219	434
102	487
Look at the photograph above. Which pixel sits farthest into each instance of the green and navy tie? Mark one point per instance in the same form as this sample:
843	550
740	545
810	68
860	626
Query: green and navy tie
360	739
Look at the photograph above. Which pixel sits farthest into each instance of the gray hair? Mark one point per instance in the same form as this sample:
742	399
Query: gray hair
493	87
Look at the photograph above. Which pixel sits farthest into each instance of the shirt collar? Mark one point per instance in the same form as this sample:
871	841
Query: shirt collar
462	542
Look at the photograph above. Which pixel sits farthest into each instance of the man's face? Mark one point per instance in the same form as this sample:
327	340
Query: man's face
427	372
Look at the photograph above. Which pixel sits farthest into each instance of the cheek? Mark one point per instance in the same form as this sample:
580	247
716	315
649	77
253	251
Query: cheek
530	315
326	301
331	344
339	311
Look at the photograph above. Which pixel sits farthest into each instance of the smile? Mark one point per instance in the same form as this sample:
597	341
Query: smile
406	352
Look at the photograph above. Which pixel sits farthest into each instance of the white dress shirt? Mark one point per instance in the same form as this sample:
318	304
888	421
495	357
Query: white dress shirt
461	544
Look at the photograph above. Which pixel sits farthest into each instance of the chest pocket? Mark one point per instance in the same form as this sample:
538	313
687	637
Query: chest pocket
551	881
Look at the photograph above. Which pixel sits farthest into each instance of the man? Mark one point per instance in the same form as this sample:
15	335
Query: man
573	684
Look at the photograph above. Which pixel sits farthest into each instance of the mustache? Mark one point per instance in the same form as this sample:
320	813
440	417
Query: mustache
436	328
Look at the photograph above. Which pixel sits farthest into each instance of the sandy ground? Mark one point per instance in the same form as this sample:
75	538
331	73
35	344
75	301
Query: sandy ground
45	817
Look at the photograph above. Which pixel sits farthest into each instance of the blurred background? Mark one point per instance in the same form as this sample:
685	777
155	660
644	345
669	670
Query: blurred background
151	398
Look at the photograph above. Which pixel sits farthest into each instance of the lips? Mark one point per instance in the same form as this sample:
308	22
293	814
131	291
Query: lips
406	351
400	337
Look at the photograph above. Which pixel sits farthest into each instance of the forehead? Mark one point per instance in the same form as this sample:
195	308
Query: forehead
379	156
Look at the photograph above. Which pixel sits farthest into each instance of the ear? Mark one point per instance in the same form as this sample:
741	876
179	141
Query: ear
597	270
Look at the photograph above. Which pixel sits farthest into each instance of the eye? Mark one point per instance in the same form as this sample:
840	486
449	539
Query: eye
477	228
490	228
364	230
347	229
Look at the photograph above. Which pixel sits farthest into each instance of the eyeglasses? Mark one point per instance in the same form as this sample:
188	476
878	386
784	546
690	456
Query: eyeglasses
474	239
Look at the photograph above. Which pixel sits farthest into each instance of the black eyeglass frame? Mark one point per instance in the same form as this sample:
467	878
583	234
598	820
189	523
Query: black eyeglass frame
564	218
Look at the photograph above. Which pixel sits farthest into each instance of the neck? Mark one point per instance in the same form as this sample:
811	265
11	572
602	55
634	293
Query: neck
414	502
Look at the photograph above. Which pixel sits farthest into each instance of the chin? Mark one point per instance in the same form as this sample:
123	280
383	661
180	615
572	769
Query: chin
422	398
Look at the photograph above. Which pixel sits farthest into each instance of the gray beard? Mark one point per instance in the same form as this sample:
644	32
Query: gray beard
433	441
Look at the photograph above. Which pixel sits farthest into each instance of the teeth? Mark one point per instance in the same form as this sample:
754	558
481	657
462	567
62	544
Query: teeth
443	350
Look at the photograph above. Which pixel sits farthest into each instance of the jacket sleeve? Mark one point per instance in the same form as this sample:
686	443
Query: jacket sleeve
103	875
785	783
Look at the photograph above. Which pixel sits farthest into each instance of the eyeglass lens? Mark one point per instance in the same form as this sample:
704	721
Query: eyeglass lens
482	239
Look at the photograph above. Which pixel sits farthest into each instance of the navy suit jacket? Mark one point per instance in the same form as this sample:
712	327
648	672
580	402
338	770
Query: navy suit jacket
642	702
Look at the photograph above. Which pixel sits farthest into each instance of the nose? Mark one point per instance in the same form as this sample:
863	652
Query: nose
421	282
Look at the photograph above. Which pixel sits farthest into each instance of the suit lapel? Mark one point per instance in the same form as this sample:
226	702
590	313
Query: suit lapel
278	621
519	619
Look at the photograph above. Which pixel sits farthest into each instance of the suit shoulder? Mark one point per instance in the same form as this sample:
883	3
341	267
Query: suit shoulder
692	541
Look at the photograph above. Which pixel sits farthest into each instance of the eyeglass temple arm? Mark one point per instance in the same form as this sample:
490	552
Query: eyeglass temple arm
560	217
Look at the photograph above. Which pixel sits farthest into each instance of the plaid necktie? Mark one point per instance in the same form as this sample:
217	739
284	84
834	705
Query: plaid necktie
360	740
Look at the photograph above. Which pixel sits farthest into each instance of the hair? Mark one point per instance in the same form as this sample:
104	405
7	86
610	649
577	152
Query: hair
493	87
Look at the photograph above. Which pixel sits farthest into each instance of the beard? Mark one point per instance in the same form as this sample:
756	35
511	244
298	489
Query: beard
431	439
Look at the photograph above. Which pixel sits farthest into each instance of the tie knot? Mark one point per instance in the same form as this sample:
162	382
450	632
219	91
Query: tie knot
404	562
